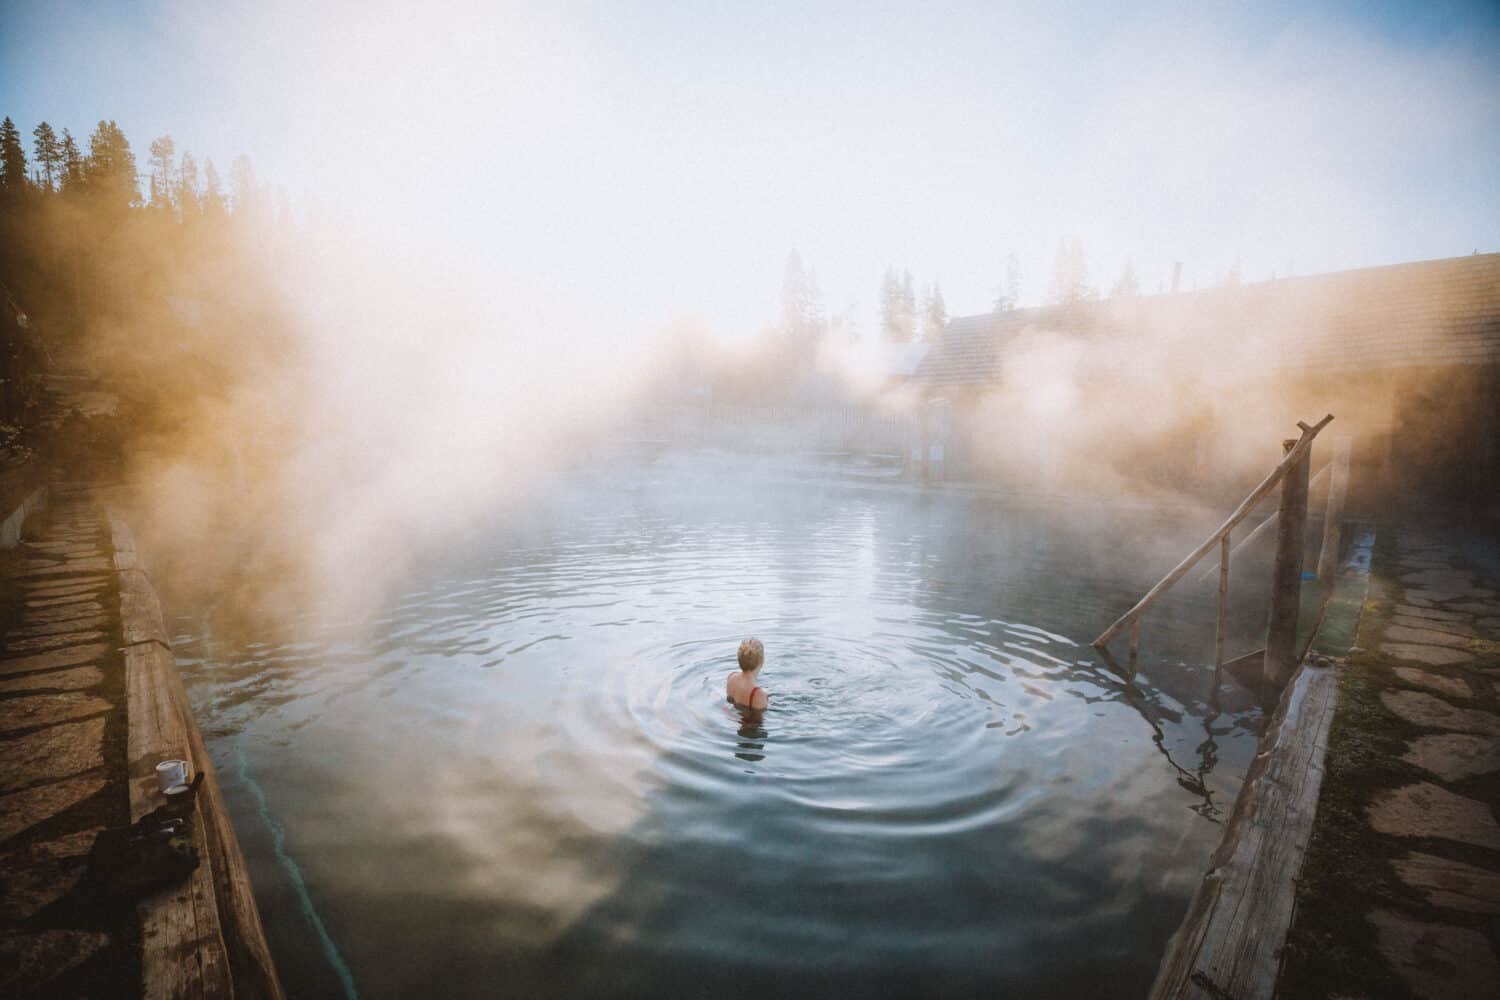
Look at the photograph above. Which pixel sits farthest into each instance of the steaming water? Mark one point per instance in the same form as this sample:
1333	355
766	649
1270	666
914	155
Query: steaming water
522	778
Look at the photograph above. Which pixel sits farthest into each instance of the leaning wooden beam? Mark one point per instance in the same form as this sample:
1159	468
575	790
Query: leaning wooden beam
1240	513
1230	943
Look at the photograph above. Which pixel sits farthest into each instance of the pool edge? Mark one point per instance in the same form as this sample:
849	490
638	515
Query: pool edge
227	952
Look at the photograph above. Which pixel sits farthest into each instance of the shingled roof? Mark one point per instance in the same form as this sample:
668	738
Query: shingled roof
1431	313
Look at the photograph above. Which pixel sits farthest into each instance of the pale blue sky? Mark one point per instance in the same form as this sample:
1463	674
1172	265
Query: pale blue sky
629	165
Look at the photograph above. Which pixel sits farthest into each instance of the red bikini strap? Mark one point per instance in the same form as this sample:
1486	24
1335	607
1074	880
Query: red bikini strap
751	700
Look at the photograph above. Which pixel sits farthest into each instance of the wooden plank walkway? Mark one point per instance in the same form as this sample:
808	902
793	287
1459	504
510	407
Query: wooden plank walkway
202	938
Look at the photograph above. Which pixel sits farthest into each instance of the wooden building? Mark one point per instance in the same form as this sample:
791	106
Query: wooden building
1189	389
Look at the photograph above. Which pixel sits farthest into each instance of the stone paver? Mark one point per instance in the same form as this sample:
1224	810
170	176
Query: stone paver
1459	630
1453	687
1450	884
52	753
1454	756
24	809
1423	709
72	679
1435	614
1456	580
71	656
1425	636
1440	621
1427	810
1437	962
26	711
1429	598
1437	656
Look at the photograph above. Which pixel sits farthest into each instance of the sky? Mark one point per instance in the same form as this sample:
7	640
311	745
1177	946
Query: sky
627	167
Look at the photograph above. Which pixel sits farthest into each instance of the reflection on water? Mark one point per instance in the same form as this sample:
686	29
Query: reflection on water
523	777
753	734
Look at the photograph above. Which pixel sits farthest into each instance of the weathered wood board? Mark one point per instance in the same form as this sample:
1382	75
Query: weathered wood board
202	938
1230	943
182	945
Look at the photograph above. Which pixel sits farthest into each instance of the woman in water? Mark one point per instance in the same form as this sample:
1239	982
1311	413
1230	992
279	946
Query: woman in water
742	689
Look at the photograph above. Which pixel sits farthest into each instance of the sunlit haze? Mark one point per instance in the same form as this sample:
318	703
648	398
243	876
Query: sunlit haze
612	169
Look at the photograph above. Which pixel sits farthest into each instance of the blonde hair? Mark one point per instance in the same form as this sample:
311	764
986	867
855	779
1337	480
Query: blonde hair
752	654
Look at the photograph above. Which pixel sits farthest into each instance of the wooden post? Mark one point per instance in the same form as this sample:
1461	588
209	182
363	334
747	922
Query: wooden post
1286	577
1135	641
1333	517
1223	600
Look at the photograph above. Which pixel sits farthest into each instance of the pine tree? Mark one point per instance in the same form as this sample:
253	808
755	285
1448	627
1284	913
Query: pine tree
12	159
110	172
187	196
213	192
1127	287
1070	277
49	155
794	294
898	307
934	313
72	162
242	179
907	316
162	151
890	307
1009	295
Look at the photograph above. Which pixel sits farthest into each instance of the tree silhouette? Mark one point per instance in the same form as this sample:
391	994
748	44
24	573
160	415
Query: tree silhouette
242	180
162	151
934	313
109	172
72	163
898	307
187	187
802	312
12	159
49	155
213	192
1070	275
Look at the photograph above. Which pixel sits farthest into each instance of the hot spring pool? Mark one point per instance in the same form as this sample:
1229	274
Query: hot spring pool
521	776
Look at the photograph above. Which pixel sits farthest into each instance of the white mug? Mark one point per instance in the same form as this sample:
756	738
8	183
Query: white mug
171	773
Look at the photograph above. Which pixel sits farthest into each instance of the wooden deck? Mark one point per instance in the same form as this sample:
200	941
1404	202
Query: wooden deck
202	938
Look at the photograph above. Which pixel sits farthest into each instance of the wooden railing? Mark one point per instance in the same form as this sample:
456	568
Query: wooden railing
1295	456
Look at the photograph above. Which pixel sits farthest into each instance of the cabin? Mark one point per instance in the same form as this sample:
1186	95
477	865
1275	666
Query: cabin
1177	390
